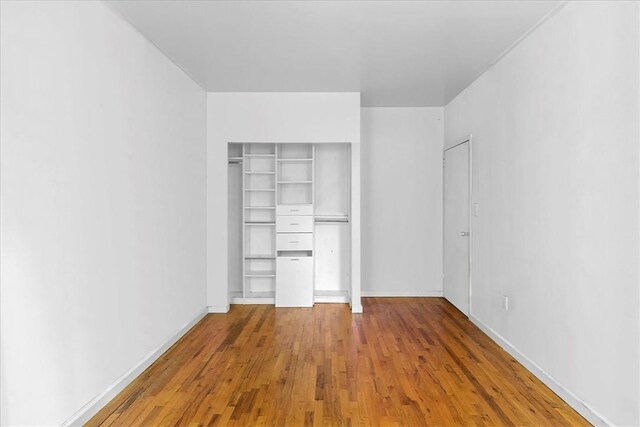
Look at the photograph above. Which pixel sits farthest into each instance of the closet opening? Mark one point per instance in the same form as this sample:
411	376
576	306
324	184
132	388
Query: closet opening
289	223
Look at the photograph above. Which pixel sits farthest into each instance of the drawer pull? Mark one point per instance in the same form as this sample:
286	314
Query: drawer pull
294	259
294	223
294	241
295	210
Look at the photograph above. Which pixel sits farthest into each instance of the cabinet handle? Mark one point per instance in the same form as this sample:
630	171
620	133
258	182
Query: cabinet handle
295	210
294	241
294	223
294	259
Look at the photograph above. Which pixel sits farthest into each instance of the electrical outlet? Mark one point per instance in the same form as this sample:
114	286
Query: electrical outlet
505	302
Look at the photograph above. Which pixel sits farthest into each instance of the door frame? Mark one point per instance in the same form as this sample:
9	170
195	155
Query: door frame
466	140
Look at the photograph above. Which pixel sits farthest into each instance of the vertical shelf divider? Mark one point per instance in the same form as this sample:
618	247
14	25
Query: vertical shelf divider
313	212
275	204
244	204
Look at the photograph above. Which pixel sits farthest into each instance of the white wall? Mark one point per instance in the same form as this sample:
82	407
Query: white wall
103	204
555	133
271	117
402	201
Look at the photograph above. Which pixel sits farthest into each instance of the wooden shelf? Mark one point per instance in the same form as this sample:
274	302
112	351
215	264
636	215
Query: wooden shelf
256	156
260	189
265	273
265	294
259	173
294	160
260	256
295	182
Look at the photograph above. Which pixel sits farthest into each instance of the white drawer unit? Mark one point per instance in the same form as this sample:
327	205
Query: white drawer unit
294	282
294	210
294	224
294	242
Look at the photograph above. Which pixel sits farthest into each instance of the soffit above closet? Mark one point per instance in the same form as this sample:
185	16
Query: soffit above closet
397	53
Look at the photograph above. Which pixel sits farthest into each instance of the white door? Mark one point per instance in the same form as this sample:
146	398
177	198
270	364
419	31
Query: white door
456	226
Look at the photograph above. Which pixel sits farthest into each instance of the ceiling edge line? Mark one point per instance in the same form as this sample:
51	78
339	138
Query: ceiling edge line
165	54
513	45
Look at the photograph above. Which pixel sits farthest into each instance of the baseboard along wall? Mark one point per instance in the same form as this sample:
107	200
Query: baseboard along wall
100	401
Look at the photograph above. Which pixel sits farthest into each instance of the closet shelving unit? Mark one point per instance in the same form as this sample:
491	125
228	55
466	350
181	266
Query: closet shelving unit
294	225
289	223
258	224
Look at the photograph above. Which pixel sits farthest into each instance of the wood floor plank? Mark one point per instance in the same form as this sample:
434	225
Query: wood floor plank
404	362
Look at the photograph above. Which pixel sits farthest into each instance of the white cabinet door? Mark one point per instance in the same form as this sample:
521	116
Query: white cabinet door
294	282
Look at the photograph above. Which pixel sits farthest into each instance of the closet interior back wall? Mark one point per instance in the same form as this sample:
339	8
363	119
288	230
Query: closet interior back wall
332	227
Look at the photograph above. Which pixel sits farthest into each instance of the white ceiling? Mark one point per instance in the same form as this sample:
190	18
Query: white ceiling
397	53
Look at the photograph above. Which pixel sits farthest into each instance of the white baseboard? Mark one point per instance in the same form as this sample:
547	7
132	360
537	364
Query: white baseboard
218	309
402	294
97	403
574	401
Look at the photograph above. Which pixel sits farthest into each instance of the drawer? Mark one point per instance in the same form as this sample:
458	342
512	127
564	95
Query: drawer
294	224
294	282
294	210
294	241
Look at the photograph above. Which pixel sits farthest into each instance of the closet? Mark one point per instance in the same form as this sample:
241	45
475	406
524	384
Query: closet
288	218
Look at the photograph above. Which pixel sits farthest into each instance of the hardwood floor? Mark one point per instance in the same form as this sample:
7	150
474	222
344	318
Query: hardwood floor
406	361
